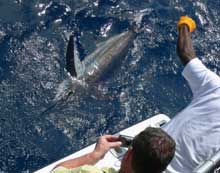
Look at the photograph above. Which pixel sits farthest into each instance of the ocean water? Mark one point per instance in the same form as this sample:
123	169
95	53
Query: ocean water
33	40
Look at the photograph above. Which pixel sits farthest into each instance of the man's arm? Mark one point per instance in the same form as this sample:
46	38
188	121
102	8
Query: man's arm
104	144
185	48
201	80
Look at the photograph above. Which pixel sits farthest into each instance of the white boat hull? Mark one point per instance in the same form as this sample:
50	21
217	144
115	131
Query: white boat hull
113	158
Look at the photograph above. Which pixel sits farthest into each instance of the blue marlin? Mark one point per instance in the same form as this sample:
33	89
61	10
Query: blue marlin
92	68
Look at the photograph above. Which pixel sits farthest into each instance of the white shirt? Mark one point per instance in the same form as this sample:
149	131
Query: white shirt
196	129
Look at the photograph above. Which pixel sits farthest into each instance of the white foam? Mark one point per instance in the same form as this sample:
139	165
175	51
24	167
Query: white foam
44	9
63	89
58	21
106	28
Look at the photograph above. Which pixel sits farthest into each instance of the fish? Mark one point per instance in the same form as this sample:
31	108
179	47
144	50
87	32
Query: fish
95	65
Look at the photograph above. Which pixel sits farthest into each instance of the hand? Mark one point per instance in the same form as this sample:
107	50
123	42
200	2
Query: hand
191	24
104	144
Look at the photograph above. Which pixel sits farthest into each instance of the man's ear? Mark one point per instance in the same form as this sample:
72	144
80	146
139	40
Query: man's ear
126	162
130	153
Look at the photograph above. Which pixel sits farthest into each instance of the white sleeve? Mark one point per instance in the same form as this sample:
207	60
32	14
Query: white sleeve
201	80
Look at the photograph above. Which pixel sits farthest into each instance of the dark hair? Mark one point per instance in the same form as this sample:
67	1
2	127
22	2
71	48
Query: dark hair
153	149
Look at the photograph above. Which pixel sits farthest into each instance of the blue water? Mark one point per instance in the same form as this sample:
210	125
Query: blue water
33	38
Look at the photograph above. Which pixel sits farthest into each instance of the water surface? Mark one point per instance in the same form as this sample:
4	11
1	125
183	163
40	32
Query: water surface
33	38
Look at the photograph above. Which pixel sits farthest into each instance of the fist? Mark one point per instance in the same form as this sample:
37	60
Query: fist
104	144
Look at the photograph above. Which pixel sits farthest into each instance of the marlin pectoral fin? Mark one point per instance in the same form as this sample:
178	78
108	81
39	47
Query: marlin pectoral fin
70	63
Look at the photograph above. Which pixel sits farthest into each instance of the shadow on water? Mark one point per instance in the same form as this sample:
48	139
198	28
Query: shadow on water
33	37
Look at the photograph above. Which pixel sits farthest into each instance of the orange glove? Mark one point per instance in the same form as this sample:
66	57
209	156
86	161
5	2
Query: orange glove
188	21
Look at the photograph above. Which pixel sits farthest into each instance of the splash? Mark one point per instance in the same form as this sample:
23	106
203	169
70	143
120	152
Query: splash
64	89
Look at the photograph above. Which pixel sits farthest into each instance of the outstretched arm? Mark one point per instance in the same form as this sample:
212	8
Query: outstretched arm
104	144
201	80
185	48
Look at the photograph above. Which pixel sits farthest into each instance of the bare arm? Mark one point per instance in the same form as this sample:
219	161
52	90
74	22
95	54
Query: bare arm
104	144
87	159
185	48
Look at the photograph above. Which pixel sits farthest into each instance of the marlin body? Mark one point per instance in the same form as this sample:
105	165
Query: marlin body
91	69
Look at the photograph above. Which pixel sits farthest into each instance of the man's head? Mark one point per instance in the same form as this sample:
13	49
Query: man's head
151	151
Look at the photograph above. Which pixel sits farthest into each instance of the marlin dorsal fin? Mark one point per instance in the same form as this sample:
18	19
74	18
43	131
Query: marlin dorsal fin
70	67
73	64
